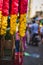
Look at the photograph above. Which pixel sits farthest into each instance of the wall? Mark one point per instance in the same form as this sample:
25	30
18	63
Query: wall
36	5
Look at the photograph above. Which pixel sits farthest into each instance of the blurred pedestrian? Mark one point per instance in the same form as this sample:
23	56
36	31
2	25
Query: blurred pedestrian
17	41
28	35
35	31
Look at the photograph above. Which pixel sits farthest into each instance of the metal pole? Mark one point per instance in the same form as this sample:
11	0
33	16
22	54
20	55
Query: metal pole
29	6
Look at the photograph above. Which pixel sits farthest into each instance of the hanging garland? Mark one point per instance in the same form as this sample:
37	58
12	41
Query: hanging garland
23	11
5	13
1	4
13	15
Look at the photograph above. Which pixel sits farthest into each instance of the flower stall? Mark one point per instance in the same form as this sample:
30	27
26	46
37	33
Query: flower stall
9	10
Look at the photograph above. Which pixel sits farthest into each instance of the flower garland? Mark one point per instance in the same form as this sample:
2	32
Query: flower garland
13	15
23	11
5	13
1	4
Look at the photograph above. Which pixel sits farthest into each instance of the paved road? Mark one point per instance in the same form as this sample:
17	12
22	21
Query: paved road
29	60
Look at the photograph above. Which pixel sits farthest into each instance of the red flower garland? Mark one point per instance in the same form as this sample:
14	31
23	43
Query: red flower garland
14	7
5	11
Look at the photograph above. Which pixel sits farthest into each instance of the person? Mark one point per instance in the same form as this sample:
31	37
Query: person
31	31
24	42
35	31
17	41
28	35
41	31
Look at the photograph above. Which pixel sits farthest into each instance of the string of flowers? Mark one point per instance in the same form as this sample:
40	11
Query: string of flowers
23	11
5	13
13	16
1	4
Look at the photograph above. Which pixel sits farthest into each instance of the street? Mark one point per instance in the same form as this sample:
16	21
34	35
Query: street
36	57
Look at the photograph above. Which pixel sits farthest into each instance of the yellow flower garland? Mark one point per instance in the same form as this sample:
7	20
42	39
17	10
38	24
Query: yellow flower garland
4	24
22	25
13	24
0	21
